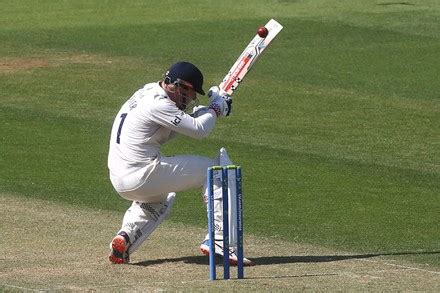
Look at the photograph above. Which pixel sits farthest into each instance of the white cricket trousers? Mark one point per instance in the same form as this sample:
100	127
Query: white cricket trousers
172	174
153	200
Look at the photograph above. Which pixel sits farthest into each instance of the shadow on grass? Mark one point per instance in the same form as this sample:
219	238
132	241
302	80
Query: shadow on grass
271	260
200	260
329	258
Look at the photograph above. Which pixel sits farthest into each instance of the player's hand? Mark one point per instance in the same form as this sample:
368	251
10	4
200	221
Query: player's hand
221	103
215	91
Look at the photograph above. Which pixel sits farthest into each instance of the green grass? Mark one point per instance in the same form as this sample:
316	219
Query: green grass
336	127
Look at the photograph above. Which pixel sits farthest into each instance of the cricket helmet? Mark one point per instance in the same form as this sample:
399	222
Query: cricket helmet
187	72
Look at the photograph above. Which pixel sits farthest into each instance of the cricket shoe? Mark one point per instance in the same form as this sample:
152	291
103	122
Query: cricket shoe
119	250
233	259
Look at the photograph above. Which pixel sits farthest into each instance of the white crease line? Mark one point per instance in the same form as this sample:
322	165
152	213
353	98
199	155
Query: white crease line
399	266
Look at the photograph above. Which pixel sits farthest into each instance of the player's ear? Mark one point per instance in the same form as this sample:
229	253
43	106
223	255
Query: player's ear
167	86
172	87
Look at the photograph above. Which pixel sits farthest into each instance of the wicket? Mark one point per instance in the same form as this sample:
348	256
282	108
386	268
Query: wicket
224	171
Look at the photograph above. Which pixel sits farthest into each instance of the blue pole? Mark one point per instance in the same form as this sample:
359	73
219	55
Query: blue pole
240	252
225	196
211	226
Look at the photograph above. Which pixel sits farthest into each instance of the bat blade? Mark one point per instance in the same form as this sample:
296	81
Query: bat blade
248	58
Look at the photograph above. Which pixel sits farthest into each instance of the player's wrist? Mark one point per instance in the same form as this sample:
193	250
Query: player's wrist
215	110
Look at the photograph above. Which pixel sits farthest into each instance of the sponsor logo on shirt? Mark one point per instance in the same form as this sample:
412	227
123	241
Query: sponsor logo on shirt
176	120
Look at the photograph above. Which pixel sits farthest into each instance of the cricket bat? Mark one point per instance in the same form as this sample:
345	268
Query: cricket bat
249	56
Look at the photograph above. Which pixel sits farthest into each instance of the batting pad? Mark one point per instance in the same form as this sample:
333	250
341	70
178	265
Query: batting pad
141	219
232	196
232	207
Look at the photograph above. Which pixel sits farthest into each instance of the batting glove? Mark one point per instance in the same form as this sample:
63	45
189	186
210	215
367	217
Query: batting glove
221	103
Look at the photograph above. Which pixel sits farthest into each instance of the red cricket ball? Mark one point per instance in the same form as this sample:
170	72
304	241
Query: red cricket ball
262	31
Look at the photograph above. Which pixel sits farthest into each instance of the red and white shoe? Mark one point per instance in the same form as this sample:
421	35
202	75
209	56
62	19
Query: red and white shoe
233	259
119	250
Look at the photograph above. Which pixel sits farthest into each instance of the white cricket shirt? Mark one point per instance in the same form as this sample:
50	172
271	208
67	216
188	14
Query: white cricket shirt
144	123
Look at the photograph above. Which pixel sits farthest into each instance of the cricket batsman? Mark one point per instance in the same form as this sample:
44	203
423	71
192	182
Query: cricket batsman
139	173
